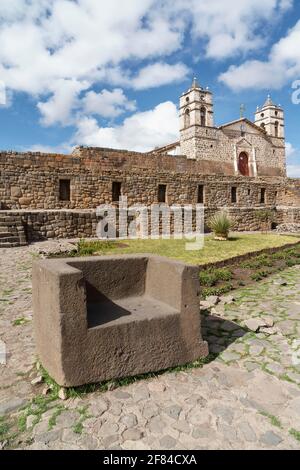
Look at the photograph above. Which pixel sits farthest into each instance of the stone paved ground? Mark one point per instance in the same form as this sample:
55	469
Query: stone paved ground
248	397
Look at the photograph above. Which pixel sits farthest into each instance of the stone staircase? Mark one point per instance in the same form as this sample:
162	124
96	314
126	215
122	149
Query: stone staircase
12	231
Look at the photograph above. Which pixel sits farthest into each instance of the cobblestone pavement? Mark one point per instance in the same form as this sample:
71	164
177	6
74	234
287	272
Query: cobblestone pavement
248	397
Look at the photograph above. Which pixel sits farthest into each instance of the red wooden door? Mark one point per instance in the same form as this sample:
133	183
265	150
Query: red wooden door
243	164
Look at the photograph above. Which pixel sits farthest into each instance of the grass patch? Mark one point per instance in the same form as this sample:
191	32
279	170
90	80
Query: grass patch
258	262
87	248
295	434
210	277
273	419
258	276
7	292
213	250
4	428
20	321
52	420
206	292
78	427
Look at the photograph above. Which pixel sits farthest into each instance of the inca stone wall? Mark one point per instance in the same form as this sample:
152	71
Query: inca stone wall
29	185
31	181
48	224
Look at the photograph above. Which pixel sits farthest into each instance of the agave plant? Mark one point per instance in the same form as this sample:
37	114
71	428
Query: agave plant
220	224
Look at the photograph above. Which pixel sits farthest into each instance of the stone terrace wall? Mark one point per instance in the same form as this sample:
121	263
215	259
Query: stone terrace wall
47	224
31	181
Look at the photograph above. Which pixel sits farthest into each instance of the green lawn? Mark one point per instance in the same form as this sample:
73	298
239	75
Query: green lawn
213	251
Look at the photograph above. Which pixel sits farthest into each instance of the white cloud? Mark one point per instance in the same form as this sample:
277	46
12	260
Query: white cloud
47	40
282	66
159	74
108	104
140	132
231	27
57	50
58	108
292	154
290	150
63	148
293	171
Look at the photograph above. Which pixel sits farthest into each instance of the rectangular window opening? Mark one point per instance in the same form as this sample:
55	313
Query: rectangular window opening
233	194
116	191
200	197
262	195
64	190
162	191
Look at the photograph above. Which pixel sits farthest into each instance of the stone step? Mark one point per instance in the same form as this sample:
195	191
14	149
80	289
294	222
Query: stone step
4	234
9	217
10	239
10	223
12	232
9	245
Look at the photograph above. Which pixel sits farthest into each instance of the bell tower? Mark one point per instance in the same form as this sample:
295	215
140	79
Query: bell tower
196	114
196	107
270	117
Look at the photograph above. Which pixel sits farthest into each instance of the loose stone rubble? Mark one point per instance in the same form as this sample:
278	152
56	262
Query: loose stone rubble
246	397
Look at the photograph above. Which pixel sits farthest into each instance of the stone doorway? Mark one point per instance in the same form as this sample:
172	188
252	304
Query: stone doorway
243	164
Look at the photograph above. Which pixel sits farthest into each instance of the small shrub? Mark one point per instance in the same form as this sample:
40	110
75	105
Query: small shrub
220	224
258	276
4	427
279	255
210	277
258	262
216	290
295	434
293	252
291	262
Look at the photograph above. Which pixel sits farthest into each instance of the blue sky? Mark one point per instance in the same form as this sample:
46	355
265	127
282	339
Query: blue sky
110	74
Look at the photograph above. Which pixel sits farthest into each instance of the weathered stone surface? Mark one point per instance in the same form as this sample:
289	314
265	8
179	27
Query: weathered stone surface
254	324
207	396
158	296
11	405
132	435
270	439
129	420
167	442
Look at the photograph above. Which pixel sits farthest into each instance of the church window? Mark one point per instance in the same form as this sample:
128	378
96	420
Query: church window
276	129
64	190
262	195
263	126
233	194
276	113
187	99
187	118
203	116
262	115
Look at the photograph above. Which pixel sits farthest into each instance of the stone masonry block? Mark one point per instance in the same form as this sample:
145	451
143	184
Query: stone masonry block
99	318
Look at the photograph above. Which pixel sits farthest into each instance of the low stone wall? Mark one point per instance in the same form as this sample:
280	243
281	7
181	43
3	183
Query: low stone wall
43	225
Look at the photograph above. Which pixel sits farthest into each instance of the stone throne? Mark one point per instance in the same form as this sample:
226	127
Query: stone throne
99	318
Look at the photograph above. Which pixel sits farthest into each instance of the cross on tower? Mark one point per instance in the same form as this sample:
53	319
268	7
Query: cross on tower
242	110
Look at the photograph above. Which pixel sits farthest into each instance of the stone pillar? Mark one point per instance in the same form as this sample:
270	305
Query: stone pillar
235	160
